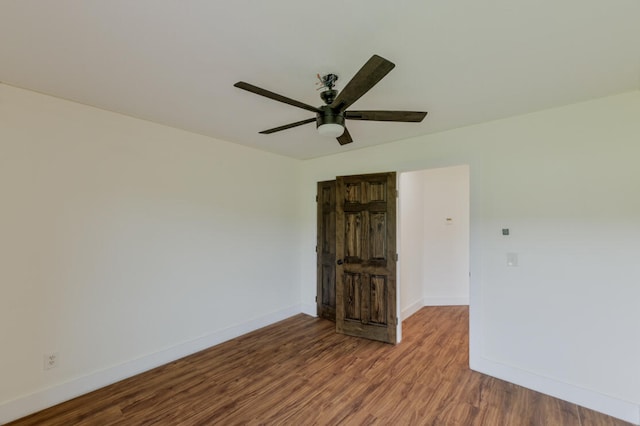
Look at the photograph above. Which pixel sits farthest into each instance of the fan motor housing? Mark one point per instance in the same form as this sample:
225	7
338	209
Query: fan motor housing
329	116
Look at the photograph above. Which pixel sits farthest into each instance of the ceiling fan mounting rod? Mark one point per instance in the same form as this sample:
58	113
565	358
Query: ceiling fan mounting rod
328	96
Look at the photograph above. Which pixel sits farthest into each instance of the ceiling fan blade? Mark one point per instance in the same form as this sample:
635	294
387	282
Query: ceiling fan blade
406	116
267	94
345	138
288	126
368	76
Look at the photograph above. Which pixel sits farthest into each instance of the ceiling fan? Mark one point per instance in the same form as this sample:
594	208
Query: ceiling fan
330	118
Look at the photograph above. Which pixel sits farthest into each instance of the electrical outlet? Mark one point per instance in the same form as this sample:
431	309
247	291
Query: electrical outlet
50	360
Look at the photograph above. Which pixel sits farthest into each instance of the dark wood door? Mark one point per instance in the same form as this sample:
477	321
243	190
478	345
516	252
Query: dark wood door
366	256
326	250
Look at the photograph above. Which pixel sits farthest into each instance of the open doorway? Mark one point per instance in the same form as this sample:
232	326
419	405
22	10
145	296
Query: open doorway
432	241
433	238
357	255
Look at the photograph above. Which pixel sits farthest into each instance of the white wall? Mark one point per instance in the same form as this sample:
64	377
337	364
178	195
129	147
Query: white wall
411	240
125	244
434	267
446	243
566	182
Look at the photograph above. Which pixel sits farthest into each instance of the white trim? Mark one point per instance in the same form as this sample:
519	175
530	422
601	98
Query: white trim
309	309
606	404
445	301
28	404
412	309
398	215
20	407
433	301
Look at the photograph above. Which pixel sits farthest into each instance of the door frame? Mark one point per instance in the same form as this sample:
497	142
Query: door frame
326	250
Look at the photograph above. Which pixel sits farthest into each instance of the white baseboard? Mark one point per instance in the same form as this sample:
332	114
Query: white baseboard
22	406
445	301
310	309
606	404
433	301
412	309
40	400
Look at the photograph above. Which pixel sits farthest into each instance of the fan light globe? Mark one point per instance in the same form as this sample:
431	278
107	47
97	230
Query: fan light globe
332	130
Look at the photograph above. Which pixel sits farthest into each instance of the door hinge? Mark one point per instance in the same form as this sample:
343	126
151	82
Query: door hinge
316	249
316	198
396	320
396	257
397	193
316	299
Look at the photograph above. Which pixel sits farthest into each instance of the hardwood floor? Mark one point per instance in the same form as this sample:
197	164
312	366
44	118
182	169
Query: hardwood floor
300	372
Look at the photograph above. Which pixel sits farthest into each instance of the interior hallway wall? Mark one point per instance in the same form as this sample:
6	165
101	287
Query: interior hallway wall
434	238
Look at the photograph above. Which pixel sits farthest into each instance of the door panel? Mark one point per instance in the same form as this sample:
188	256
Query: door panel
377	297
353	235
378	236
366	256
326	250
352	287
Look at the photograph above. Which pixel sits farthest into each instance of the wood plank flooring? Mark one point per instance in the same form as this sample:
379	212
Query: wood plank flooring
300	372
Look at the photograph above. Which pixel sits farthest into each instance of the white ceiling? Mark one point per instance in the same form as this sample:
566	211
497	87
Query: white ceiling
175	62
